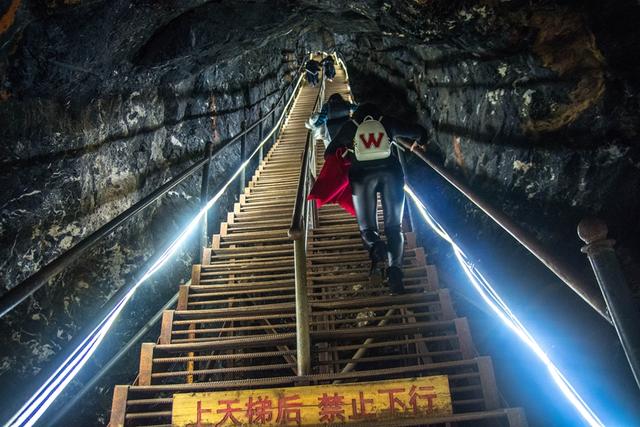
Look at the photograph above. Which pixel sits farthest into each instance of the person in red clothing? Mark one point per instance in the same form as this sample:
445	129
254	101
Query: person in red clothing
375	168
332	184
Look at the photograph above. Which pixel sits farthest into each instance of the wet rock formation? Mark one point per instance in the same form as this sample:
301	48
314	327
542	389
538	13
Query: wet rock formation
101	104
532	104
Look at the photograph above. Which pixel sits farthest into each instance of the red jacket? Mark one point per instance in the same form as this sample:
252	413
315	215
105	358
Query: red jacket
332	185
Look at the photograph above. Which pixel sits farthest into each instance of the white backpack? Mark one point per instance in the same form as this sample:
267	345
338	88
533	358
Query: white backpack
371	141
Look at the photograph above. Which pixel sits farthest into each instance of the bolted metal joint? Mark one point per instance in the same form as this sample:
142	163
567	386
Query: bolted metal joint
593	232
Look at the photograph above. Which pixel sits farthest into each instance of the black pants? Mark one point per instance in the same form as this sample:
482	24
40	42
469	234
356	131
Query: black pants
389	182
330	71
312	77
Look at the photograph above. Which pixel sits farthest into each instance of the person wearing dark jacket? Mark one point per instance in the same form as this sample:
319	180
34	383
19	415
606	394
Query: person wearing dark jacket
312	67
334	113
329	67
385	176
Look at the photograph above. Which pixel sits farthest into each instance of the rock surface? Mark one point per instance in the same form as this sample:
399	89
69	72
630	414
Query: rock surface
101	104
533	104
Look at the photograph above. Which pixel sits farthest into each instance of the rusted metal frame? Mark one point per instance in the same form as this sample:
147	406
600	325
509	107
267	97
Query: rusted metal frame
564	273
226	370
380	343
217	357
119	406
208	364
282	348
285	349
615	290
268	326
419	346
315	378
363	350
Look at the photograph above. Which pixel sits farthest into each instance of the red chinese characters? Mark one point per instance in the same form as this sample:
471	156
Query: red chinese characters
359	407
331	408
199	412
396	404
394	401
414	396
289	410
259	411
228	412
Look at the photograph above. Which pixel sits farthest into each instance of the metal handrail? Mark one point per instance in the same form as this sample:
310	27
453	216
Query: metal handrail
16	295
298	233
297	218
564	273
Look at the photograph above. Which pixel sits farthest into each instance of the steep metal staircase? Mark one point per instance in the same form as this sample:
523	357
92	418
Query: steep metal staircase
234	327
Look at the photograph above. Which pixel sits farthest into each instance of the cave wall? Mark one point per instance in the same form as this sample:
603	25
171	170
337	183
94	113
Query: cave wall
101	104
532	105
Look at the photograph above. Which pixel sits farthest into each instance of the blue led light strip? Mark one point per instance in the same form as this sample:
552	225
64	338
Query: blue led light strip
33	409
493	300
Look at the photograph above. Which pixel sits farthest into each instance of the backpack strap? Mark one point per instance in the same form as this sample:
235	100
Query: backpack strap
392	141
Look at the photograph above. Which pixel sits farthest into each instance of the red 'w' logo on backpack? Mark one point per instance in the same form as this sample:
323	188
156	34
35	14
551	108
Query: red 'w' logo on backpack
372	140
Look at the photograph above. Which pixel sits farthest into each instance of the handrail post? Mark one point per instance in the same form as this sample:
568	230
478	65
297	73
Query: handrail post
202	240
274	135
616	292
298	233
261	150
243	155
403	164
303	338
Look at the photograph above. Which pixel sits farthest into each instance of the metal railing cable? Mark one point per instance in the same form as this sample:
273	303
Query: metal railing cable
86	344
564	273
504	313
16	295
123	351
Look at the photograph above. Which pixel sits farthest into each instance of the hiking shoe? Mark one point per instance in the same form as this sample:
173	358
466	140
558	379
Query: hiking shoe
378	252
394	276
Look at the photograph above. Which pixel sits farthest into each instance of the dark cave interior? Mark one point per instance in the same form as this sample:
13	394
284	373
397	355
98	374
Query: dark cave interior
533	104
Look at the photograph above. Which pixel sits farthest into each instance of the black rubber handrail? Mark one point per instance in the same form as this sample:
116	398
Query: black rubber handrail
26	288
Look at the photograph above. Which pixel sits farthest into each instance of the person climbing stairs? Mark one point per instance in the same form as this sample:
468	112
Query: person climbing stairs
227	354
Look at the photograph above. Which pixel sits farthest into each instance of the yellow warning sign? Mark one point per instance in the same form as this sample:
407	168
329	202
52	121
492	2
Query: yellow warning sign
315	405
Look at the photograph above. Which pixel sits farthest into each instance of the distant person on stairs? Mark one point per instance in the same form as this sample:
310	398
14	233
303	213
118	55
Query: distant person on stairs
375	168
334	113
312	68
329	67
